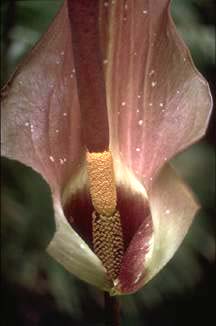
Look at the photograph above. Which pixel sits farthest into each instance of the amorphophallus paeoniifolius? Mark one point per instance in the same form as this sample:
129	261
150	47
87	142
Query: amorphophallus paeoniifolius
121	212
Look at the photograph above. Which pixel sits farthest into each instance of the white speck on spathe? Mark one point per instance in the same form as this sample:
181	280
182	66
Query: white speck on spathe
140	122
145	12
178	92
126	7
137	110
57	62
165	158
151	72
150	104
137	149
61	161
32	128
71	218
62	53
65	114
154	83
51	158
71	75
147	225
167	211
26	124
139	96
137	278
106	4
82	246
163	110
73	70
105	61
64	159
123	103
57	131
161	104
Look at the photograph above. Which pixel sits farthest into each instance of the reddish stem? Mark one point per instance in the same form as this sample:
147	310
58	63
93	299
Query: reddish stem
112	310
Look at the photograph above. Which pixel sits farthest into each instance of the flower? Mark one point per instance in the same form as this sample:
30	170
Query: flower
158	104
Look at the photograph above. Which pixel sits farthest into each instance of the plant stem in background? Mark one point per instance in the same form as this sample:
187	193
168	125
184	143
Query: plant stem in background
112	310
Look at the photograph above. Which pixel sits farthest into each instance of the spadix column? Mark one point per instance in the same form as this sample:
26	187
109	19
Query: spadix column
107	230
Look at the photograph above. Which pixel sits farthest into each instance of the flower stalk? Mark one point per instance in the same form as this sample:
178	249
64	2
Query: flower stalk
112	310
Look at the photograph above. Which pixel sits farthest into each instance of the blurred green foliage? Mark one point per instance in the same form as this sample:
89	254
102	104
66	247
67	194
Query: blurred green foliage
28	20
27	217
200	37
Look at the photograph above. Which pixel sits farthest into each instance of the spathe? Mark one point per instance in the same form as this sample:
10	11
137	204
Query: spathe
158	104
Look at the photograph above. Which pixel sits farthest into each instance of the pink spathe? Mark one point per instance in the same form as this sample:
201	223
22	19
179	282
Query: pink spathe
157	105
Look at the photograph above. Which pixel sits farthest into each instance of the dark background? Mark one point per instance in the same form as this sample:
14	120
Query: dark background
36	291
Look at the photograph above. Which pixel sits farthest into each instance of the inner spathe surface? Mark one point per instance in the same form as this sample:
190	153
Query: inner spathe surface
132	206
